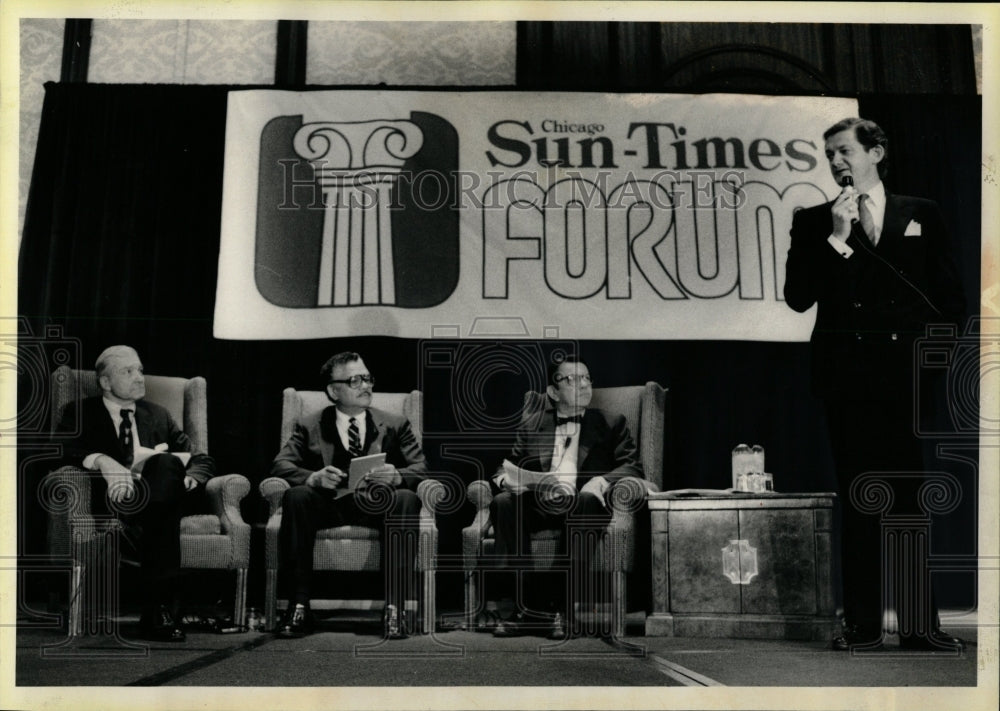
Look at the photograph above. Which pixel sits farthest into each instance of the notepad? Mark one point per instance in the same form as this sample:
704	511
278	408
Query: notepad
141	454
361	466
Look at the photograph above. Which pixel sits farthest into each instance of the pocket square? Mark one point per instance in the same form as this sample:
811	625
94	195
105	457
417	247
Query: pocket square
912	229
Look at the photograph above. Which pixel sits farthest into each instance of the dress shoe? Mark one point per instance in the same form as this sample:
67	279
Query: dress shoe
551	626
298	622
394	623
515	626
936	641
558	630
159	626
852	638
486	621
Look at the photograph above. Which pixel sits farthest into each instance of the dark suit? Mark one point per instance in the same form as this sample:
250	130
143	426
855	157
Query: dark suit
155	528
871	306
316	443
606	449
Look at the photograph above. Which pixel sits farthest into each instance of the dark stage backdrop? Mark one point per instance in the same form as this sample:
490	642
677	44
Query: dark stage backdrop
121	241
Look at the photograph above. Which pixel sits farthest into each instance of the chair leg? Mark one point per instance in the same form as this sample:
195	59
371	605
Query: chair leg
75	623
271	599
618	604
471	598
429	601
240	605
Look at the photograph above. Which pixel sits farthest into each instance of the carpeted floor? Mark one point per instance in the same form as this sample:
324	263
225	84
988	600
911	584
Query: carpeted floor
350	653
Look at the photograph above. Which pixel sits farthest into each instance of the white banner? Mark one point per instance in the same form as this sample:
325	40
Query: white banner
604	216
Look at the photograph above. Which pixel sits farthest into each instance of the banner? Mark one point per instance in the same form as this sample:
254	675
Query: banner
600	216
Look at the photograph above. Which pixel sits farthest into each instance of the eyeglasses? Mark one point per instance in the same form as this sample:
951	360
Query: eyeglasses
355	381
573	379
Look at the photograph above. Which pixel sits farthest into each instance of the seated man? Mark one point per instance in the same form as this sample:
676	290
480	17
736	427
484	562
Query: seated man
316	460
115	436
565	459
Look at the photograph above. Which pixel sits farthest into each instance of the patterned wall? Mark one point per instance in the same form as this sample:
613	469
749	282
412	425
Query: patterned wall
41	60
437	53
243	52
183	52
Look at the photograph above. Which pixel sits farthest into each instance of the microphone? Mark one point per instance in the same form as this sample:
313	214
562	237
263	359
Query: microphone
847	181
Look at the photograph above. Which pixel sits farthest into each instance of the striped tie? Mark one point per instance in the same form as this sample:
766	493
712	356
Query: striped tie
354	438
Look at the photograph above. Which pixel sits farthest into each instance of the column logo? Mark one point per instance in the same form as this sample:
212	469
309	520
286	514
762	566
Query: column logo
347	217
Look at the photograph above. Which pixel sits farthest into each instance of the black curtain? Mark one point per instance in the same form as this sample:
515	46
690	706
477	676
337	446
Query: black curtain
935	151
121	244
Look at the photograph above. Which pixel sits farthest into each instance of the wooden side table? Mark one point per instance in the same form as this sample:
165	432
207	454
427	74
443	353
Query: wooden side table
742	565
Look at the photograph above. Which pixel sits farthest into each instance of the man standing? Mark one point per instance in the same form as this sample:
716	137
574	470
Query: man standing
879	268
316	460
566	458
115	432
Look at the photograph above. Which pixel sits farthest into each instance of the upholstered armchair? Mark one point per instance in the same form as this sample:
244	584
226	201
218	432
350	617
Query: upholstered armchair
352	548
220	540
643	408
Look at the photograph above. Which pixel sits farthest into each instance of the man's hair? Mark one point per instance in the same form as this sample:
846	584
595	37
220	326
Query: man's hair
109	353
554	364
869	135
326	372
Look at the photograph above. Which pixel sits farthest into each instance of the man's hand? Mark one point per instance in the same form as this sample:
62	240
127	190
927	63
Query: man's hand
190	483
329	477
507	484
121	485
844	212
509	479
385	474
598	486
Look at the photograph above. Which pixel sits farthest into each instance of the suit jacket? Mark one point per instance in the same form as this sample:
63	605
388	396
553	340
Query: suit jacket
315	443
606	446
872	305
96	433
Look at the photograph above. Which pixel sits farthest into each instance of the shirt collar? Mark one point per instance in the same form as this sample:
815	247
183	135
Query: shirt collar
876	199
115	410
344	420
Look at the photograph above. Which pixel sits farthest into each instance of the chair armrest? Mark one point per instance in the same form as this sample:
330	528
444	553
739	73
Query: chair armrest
480	495
272	489
480	524
65	496
431	493
225	493
66	491
626	497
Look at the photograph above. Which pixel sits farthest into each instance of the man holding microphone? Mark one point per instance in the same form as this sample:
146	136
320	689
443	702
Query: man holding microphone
880	270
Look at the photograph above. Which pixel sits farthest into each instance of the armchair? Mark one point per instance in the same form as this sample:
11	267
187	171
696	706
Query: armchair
220	540
352	548
643	408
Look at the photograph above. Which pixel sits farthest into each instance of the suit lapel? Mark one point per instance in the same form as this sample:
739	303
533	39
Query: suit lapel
329	439
546	437
894	221
144	423
374	433
592	431
107	433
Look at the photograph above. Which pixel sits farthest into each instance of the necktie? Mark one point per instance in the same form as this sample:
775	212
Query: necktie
565	420
865	218
125	437
354	438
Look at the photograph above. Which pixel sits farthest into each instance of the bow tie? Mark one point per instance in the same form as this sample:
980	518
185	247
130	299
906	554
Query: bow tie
565	420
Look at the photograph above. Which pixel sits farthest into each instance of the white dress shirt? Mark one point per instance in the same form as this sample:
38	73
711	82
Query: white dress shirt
115	410
344	424
876	206
565	451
